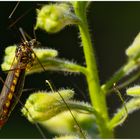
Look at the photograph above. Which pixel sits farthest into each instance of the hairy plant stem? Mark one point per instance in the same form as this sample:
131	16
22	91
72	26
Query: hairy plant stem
97	97
123	71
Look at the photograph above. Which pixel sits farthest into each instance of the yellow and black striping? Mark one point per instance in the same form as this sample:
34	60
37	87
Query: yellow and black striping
11	92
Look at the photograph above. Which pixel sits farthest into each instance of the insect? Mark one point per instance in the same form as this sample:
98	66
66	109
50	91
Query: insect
14	83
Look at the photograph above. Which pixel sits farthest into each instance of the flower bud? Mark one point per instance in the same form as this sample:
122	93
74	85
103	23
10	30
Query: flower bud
133	50
42	106
9	56
52	18
133	91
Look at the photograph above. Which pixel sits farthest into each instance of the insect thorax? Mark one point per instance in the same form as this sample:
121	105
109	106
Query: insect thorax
25	54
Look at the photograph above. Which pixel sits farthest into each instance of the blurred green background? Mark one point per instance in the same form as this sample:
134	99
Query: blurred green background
113	26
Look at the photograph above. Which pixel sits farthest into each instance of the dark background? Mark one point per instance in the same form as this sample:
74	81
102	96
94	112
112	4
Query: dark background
113	26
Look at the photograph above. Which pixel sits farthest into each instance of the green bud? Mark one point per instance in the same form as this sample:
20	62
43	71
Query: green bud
133	91
51	111
42	106
120	116
9	57
10	49
54	17
133	50
45	53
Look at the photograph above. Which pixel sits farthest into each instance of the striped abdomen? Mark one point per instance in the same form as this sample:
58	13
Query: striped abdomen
11	92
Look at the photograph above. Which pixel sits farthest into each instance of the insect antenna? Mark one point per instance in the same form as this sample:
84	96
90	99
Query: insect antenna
12	24
22	33
10	16
52	89
28	36
121	98
34	34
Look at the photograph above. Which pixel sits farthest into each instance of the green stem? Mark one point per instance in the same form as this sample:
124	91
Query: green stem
125	70
126	83
56	64
97	97
129	81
